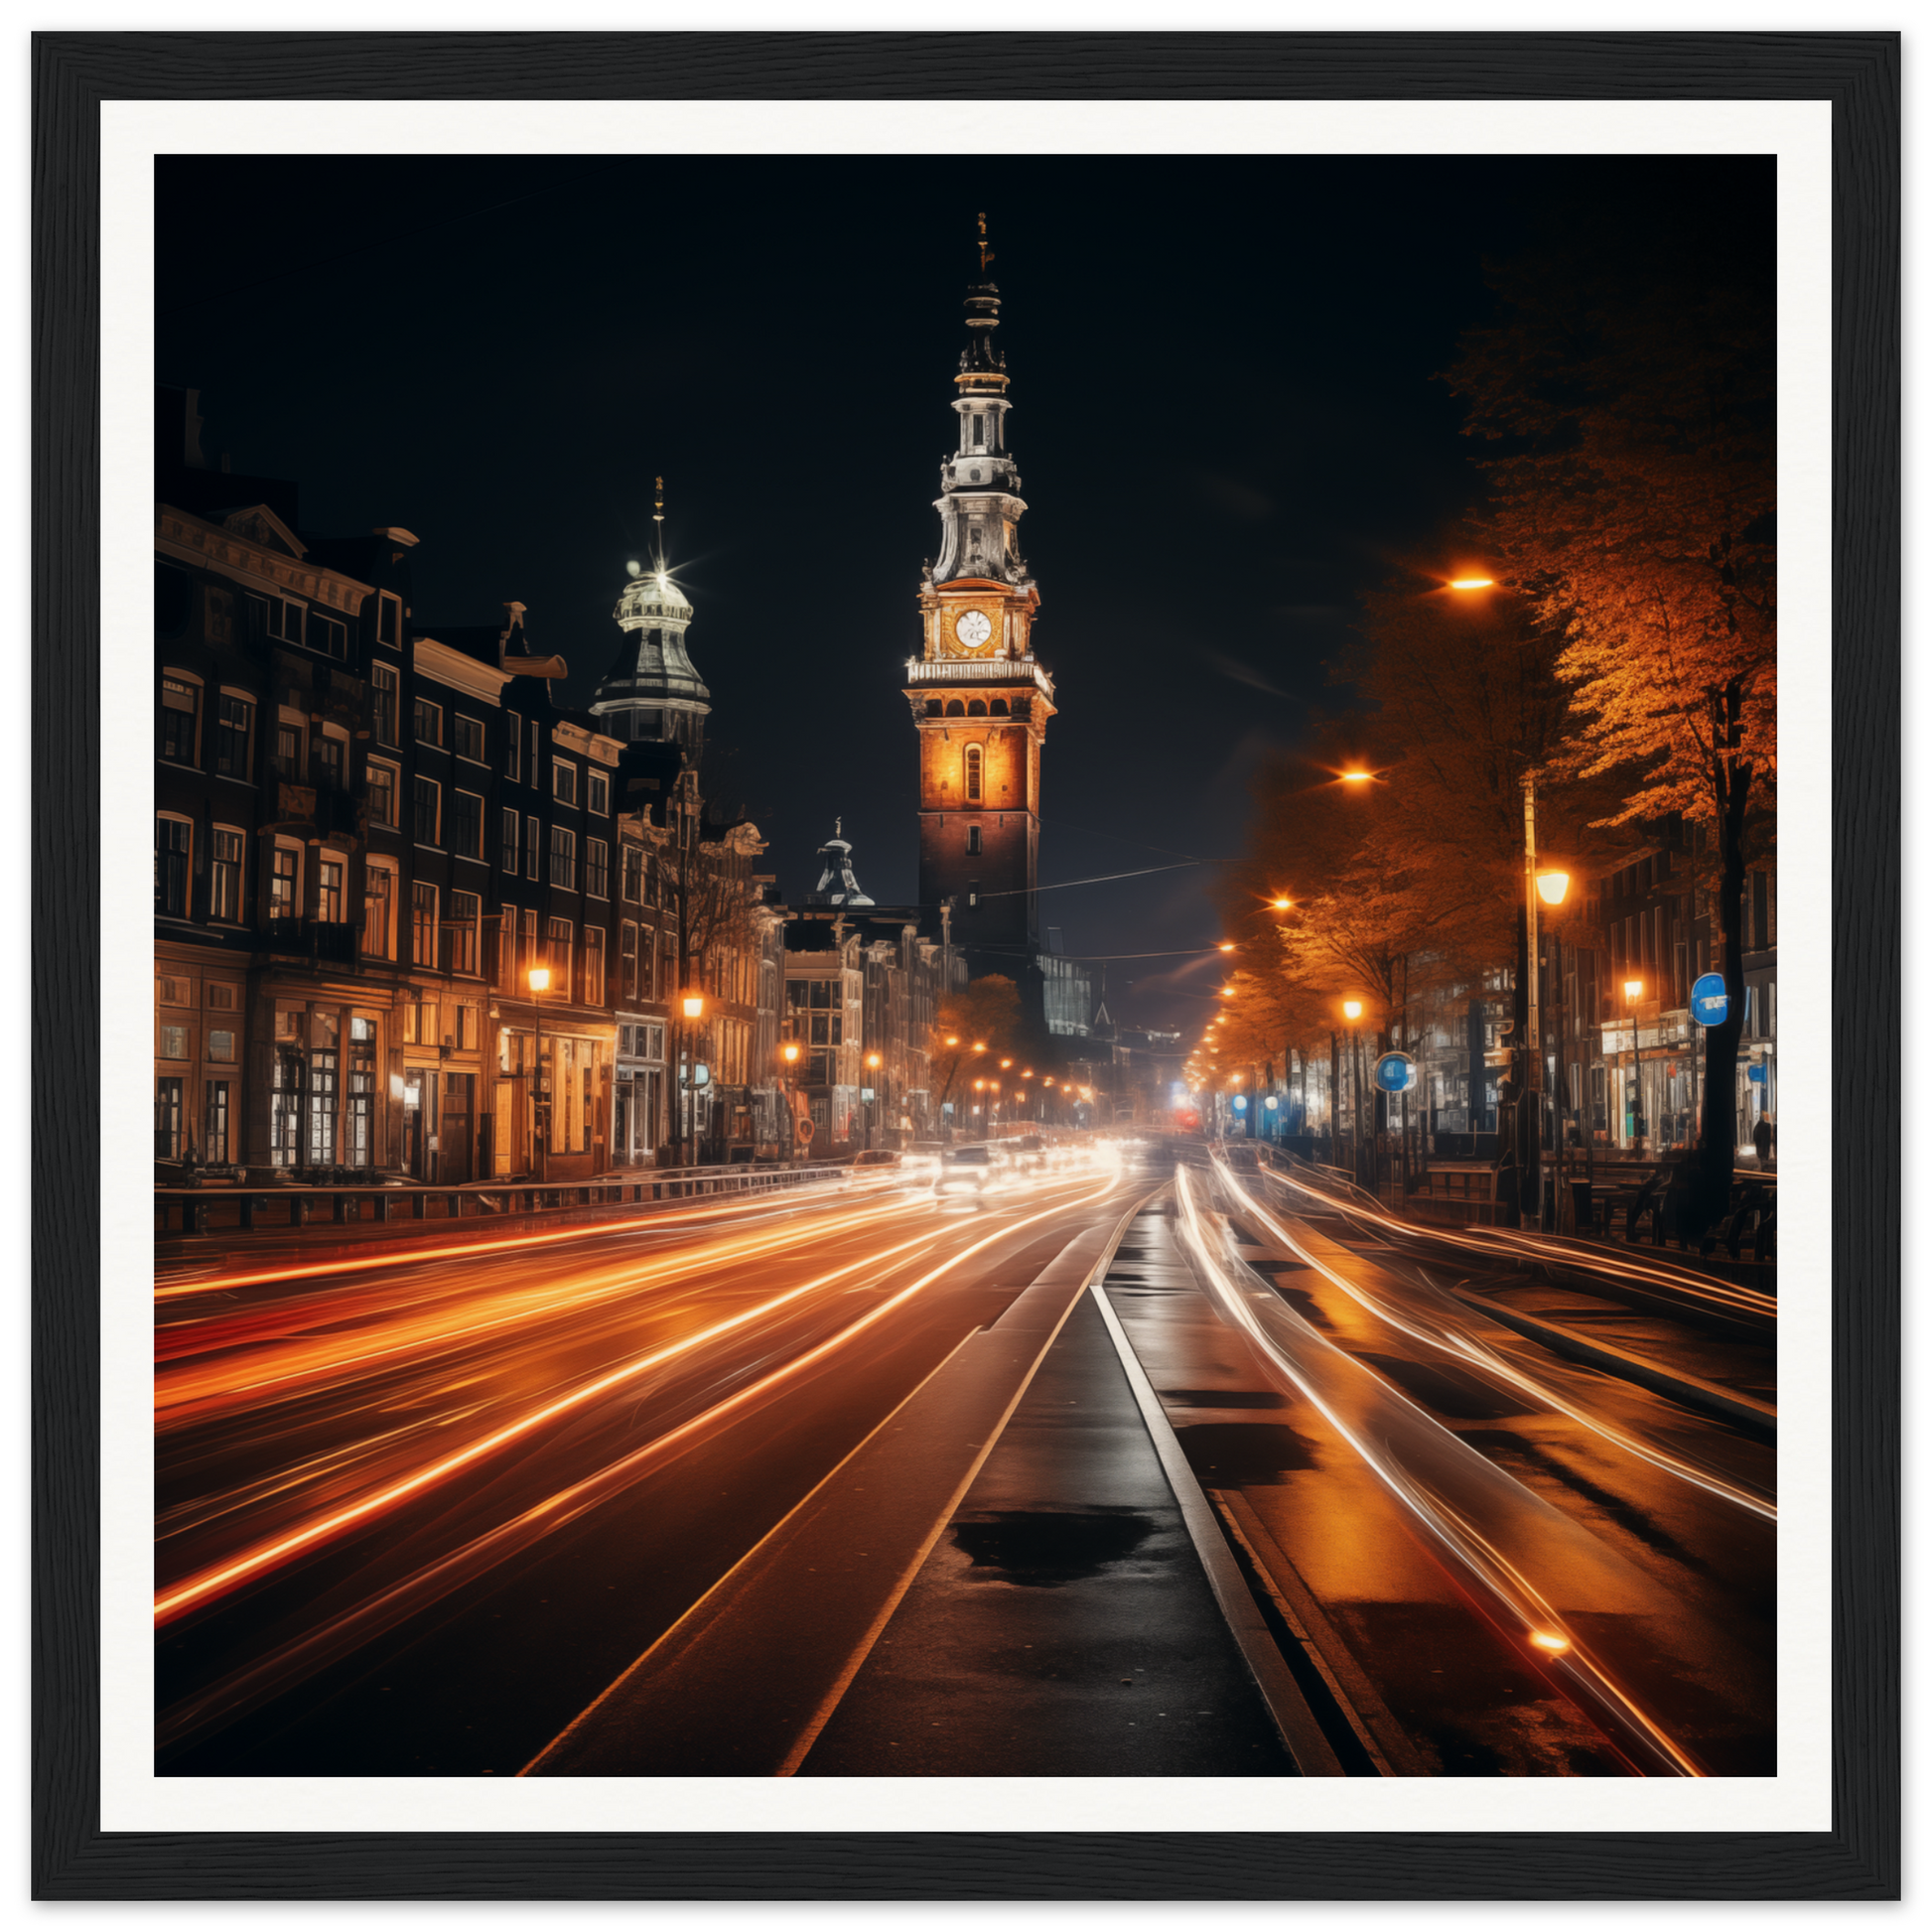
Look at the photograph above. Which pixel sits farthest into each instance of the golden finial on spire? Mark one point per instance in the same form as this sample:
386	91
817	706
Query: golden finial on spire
986	253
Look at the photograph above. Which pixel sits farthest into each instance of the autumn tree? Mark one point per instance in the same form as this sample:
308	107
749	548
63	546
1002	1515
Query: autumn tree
984	1013
1628	411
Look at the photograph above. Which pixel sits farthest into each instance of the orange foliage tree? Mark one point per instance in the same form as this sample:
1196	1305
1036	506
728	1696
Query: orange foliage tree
1632	432
985	1013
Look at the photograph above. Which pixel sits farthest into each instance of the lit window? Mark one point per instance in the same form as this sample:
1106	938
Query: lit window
975	762
594	965
225	877
284	884
422	924
329	892
378	889
557	958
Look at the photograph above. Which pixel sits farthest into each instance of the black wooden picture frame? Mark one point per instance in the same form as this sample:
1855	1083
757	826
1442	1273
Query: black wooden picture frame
1858	1858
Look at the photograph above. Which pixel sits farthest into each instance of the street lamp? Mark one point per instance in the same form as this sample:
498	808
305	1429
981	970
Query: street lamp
873	1061
539	986
691	1004
789	1052
1552	888
1632	993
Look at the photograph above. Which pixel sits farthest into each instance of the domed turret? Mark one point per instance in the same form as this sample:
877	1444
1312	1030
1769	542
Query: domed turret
652	691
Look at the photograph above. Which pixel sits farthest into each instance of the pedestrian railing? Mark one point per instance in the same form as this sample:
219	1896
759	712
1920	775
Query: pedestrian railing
186	1210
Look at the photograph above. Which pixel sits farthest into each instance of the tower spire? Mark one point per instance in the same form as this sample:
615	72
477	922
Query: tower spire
657	517
986	253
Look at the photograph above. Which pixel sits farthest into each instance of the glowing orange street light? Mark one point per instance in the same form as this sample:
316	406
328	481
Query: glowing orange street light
1552	887
1549	1640
694	1005
875	1059
1005	1063
1356	777
1633	989
539	986
791	1053
1025	1073
952	1040
1353	1008
979	1086
1473	582
1227	945
979	1046
1236	1078
1227	992
1282	905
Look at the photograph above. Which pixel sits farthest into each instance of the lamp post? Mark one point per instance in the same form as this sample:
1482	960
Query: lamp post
789	1055
873	1061
539	1109
1632	993
1552	887
690	1007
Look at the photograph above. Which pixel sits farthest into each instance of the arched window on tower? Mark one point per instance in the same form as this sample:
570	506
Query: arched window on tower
974	761
998	707
955	709
932	707
977	709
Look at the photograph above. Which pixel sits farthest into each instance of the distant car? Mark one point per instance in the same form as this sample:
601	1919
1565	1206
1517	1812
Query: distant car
965	1173
875	1156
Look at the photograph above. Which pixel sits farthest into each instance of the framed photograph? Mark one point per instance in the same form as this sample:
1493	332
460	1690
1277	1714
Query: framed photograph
756	1288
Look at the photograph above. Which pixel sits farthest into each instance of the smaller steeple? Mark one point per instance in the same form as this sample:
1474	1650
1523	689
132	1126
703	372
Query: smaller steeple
652	691
836	882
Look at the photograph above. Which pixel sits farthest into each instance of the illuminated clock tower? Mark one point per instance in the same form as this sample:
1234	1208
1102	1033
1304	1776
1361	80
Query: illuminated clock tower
979	697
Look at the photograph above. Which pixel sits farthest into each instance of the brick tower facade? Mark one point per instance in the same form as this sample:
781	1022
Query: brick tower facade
979	697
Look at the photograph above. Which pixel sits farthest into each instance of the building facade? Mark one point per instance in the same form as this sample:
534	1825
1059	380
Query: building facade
370	833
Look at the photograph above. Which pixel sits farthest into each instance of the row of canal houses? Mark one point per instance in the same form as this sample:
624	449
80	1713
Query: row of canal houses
415	918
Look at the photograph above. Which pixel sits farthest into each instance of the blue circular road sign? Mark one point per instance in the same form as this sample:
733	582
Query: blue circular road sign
1395	1073
1710	1002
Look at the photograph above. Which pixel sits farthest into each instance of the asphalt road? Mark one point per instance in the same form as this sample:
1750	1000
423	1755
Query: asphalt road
852	1483
415	1517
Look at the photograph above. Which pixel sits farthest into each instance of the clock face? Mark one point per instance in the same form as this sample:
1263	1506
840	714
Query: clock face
972	629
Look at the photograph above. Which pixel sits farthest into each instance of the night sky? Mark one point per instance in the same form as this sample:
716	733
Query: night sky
1225	412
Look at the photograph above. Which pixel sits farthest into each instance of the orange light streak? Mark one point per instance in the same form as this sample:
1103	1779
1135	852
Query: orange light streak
388	1257
185	1596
